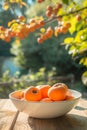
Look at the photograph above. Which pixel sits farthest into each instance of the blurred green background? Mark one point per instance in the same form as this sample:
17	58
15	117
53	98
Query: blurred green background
29	63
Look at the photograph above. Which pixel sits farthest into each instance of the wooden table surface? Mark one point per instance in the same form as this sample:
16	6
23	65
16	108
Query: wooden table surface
11	119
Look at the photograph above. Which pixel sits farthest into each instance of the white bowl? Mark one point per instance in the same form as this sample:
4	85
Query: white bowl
46	109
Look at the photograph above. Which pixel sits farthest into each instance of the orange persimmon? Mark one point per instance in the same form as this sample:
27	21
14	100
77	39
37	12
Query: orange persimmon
58	92
32	94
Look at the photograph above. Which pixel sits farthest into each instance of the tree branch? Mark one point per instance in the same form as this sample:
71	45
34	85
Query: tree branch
56	17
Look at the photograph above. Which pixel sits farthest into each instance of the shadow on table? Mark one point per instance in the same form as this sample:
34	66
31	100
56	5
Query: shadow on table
67	122
80	108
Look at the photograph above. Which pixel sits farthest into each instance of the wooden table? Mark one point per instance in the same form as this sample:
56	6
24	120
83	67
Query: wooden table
11	119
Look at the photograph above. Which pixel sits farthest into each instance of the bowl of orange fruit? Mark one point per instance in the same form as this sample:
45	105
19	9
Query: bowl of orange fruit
45	101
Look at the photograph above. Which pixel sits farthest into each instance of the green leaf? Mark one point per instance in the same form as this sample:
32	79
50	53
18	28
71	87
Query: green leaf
72	50
84	78
68	40
78	38
79	25
81	35
83	47
83	61
85	3
73	22
84	74
65	2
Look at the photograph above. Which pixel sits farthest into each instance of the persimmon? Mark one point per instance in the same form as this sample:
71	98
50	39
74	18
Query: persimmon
61	84
32	94
58	92
57	8
69	97
59	5
19	94
48	13
21	18
37	26
49	32
32	21
7	38
31	28
68	25
58	29
23	99
40	1
42	23
44	90
64	29
44	37
2	28
39	40
50	8
78	17
12	34
69	93
46	100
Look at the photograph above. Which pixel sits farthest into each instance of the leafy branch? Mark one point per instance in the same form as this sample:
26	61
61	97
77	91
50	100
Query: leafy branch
67	14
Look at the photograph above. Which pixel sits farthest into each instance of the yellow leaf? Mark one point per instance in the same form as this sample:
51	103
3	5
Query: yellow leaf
69	40
17	41
15	1
18	1
23	3
77	39
12	1
39	18
73	22
15	27
11	22
60	12
42	30
83	61
72	50
83	47
56	33
6	6
85	3
84	74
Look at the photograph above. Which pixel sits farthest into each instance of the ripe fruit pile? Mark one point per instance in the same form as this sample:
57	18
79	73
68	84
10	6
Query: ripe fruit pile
45	93
19	28
53	10
60	13
48	34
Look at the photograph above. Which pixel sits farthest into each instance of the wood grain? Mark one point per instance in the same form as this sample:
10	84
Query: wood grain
8	114
75	120
22	122
68	122
11	119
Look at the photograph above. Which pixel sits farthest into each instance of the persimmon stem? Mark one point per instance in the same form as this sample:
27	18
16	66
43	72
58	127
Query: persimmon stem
72	12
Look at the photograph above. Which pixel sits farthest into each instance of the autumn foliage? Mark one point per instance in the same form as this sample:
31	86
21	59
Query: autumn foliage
70	16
